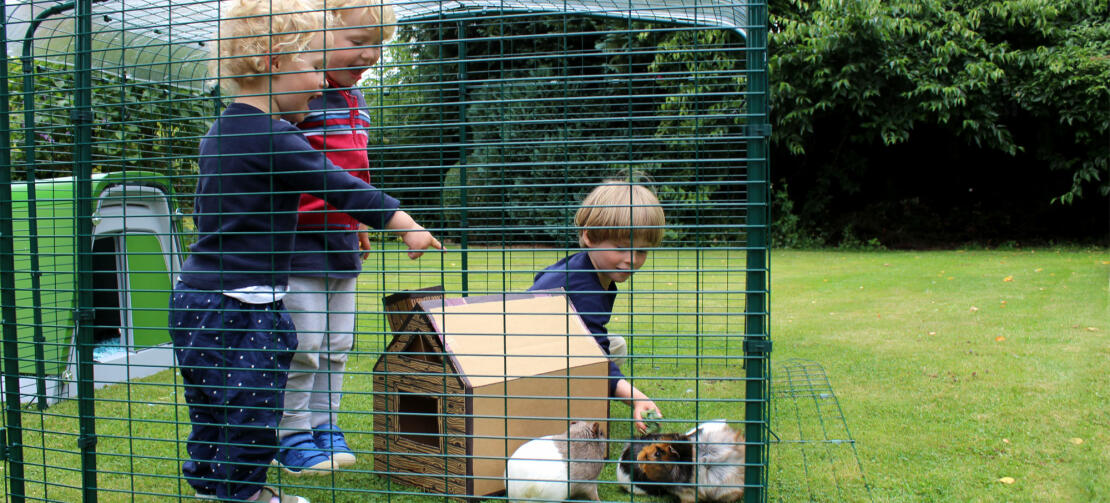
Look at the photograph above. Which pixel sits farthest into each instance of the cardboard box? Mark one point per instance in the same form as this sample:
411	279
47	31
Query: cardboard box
465	381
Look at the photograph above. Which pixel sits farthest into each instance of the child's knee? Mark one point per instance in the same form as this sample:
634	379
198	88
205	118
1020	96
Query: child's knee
618	350
617	347
305	361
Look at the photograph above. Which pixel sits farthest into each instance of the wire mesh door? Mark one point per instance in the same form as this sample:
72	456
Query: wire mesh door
491	123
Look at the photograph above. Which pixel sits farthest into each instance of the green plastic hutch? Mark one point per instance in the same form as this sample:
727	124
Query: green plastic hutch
137	254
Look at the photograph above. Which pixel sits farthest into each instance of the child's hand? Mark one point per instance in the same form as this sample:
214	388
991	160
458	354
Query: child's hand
413	234
645	408
418	241
364	240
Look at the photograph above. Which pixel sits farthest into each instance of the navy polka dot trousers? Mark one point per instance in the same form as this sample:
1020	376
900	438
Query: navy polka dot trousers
234	358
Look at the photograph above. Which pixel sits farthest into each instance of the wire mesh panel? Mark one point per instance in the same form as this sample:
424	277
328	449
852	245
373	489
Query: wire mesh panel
812	436
495	125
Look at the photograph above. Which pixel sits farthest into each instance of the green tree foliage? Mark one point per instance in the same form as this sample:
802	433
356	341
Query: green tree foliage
547	106
136	124
928	120
1020	77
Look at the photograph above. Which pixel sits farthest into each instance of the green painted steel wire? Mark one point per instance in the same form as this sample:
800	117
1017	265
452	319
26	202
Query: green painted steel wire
465	118
12	417
32	210
82	117
802	392
757	325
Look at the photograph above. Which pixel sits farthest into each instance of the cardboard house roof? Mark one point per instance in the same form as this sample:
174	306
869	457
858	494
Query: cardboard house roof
497	338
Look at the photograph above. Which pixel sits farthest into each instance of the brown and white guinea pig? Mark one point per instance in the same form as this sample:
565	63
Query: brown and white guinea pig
703	464
558	467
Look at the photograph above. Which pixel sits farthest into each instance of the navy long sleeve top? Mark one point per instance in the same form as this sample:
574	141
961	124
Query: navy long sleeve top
576	274
253	170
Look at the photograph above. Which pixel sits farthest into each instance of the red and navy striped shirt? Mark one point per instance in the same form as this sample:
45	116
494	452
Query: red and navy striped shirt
327	243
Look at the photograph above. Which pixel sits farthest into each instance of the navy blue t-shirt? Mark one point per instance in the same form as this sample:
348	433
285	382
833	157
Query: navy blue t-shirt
576	274
253	170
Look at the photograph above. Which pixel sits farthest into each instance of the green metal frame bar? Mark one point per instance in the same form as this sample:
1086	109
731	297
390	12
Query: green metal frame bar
82	171
29	145
82	120
756	323
464	240
14	452
486	11
13	438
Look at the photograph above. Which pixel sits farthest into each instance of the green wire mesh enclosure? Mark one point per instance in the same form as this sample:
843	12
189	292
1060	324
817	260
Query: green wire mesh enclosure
491	121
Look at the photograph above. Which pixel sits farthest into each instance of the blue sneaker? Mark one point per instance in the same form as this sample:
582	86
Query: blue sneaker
300	456
329	438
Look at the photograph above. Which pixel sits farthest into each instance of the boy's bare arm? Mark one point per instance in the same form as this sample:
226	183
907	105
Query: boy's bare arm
413	234
639	402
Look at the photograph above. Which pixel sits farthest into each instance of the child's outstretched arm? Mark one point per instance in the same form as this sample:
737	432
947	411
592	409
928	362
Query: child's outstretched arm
413	234
639	402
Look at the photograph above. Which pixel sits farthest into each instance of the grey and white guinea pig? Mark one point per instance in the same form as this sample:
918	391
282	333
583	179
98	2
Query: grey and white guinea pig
558	467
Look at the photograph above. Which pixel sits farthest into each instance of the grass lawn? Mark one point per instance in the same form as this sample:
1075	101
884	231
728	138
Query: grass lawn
954	370
958	369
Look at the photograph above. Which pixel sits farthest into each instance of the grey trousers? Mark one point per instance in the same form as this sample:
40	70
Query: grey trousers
323	311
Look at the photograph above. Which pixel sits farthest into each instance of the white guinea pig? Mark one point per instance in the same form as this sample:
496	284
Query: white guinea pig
558	467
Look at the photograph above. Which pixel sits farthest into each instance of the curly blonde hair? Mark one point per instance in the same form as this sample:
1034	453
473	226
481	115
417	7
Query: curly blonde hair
370	13
618	210
252	31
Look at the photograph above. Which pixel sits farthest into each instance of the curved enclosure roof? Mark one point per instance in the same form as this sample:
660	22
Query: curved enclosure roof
167	39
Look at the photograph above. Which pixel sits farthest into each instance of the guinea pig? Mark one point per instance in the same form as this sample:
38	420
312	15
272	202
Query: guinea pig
654	462
720	462
703	464
558	467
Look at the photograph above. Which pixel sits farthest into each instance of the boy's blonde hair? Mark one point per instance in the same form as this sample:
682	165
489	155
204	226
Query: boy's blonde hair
252	31
618	210
370	13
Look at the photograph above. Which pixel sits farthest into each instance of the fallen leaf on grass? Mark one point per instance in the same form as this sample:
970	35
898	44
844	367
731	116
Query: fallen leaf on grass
1076	440
999	339
973	309
1039	269
1007	480
1008	279
1092	329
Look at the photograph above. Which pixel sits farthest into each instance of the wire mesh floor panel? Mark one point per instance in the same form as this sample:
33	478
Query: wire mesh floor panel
813	454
